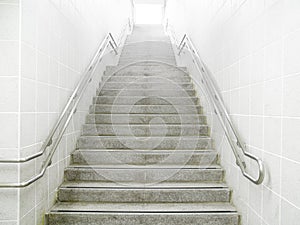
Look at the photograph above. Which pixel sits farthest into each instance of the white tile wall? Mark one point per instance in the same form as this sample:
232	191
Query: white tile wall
9	20
9	94
9	51
45	45
261	39
9	107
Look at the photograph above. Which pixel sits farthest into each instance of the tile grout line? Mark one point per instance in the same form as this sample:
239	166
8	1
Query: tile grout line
19	106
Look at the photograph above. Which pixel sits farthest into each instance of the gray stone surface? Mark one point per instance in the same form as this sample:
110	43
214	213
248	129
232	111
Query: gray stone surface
178	185
222	218
144	157
150	143
146	119
145	207
144	130
144	174
147	92
146	85
135	195
145	78
153	76
136	100
147	67
145	109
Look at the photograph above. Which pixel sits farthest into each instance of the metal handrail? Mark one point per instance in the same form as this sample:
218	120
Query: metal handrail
68	111
220	110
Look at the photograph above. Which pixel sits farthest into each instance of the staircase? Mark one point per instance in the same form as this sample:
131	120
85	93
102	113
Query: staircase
145	155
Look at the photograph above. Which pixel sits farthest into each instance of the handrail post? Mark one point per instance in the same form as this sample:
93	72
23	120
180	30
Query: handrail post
112	46
182	40
112	38
181	49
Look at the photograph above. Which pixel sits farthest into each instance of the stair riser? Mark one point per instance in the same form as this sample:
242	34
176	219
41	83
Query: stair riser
151	75
127	62
112	85
148	109
161	47
146	93
147	51
148	48
143	218
150	143
146	119
145	79
95	157
140	67
145	101
144	195
145	130
144	175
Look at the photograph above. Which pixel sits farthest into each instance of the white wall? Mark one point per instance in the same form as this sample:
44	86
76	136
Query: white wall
44	47
253	49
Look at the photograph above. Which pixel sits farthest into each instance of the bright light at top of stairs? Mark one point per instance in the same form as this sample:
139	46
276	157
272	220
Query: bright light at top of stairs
148	13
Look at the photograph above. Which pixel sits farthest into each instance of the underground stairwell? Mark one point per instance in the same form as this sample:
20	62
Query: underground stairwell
145	155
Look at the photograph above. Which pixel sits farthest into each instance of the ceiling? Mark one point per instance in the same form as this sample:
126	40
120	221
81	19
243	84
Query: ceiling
148	1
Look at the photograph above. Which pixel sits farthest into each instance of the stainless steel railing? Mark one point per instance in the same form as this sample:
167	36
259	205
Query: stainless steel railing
65	116
221	111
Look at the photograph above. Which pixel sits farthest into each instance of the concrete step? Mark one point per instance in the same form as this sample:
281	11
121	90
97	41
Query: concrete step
144	157
152	48
144	92
150	194
162	47
148	50
128	60
144	67
144	130
144	55
144	174
147	143
146	119
136	100
151	75
133	185
146	109
146	79
141	85
143	213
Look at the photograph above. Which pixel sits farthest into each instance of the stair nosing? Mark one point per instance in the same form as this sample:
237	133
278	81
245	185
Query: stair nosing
226	207
143	167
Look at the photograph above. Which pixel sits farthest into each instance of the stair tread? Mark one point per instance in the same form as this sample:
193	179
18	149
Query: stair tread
170	97
156	137
151	105
145	167
162	185
142	207
149	125
151	82
152	114
149	89
164	151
